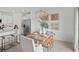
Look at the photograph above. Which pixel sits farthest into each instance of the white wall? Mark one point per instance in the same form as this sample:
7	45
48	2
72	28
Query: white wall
7	18
66	31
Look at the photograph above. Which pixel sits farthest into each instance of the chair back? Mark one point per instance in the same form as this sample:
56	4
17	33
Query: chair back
26	44
48	41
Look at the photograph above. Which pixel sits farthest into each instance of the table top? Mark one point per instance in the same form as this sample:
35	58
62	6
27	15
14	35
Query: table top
37	37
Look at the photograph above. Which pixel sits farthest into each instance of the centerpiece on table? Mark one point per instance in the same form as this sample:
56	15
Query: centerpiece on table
43	15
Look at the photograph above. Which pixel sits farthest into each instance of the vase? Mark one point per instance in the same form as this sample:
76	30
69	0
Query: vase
42	30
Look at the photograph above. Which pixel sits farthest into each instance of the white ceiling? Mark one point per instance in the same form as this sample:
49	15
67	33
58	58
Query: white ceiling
20	9
26	10
13	9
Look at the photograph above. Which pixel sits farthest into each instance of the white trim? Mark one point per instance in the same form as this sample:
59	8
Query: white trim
76	30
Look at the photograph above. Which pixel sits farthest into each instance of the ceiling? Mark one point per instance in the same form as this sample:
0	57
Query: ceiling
21	9
13	9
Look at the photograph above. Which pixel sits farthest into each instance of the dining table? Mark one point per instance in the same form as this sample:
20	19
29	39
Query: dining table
37	37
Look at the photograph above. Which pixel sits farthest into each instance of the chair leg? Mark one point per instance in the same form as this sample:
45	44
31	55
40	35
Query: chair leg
3	44
15	38
48	49
45	49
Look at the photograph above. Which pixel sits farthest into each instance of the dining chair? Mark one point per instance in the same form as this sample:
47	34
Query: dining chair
48	42
35	40
26	44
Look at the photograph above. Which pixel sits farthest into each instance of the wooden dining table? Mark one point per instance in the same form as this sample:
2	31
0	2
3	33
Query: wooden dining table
37	37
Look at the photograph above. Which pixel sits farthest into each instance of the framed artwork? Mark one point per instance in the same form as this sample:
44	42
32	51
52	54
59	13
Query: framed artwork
55	21
55	17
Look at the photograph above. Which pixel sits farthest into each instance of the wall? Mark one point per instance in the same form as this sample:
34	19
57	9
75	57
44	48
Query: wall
66	27
7	18
17	17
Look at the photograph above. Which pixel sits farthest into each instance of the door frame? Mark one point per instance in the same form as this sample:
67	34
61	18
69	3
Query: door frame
76	30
